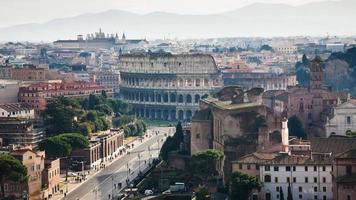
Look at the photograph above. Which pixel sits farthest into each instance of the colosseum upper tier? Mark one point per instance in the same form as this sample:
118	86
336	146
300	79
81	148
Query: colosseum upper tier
167	86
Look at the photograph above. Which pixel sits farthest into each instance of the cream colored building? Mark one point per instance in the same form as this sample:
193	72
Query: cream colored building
344	119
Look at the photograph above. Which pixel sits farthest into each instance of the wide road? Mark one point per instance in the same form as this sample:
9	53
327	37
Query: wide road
105	182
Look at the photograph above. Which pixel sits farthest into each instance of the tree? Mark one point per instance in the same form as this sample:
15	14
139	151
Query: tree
11	170
55	147
172	143
59	115
295	127
241	186
202	194
266	47
62	145
290	195
204	163
281	195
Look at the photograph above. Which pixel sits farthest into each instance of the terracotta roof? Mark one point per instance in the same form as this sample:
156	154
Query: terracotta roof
334	145
256	158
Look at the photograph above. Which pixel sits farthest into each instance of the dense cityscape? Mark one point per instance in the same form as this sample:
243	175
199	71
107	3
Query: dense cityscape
110	116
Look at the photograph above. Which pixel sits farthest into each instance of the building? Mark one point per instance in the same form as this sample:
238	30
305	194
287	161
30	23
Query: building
167	86
9	90
343	120
344	175
267	81
237	123
15	110
312	105
5	71
107	79
32	189
21	131
103	147
51	176
36	95
309	177
29	73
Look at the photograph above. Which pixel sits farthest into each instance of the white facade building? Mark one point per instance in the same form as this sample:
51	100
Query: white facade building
308	178
344	119
14	110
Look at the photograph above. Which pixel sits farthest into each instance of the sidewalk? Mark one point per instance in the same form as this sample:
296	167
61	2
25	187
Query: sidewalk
73	184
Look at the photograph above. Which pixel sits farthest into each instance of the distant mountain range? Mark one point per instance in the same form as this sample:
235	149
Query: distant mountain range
315	19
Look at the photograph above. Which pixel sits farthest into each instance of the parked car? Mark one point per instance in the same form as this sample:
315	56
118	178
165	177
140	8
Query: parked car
148	192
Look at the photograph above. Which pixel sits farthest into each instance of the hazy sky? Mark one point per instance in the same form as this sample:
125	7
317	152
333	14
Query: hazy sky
14	12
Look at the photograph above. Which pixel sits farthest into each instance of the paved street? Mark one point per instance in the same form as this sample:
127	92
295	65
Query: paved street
102	184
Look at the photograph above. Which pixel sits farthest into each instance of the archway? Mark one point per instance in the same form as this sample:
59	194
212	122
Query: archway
188	115
173	97
180	98
197	98
180	115
188	99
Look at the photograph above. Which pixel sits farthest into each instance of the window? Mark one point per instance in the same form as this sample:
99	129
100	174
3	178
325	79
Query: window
324	197
348	120
300	189
315	189
300	196
315	179
294	168
267	168
294	179
288	180
248	166
240	166
324	168
348	197
324	179
277	189
306	179
197	135
348	170
275	168
267	178
276	179
315	196
306	168
287	168
257	167
315	168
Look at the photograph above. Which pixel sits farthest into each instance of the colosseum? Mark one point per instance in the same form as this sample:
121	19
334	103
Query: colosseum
167	86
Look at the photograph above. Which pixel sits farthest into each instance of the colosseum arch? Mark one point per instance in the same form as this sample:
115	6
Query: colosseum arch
173	97
189	82
147	113
180	98
165	97
159	114
152	97
146	97
141	96
173	114
158	97
188	98
197	83
180	115
188	114
197	98
152	114
137	96
180	83
165	114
